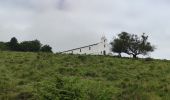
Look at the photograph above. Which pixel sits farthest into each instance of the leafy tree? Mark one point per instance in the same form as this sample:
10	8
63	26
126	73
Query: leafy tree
46	48
3	46
119	45
31	46
13	44
139	45
25	46
132	44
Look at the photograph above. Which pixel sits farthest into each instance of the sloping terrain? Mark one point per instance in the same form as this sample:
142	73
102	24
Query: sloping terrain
43	76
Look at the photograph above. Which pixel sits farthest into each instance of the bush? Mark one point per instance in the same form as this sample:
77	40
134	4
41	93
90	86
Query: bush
3	46
46	48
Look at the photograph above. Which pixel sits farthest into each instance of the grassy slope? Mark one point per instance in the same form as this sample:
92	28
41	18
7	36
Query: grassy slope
40	76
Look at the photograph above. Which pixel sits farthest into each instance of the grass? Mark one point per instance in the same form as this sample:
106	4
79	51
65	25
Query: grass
43	76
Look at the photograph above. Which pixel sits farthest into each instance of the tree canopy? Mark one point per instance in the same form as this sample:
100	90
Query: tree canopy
32	46
46	48
13	44
25	46
132	44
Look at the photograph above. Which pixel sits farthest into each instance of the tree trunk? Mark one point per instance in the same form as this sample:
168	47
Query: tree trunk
120	55
134	56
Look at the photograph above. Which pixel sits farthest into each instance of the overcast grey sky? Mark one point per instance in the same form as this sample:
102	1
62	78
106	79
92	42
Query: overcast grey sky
66	24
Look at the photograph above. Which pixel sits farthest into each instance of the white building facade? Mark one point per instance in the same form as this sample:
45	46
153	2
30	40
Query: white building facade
100	48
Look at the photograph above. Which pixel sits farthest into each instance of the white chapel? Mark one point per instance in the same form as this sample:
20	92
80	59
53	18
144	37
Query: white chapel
100	48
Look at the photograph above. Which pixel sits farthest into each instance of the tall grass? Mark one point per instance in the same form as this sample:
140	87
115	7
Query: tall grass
45	76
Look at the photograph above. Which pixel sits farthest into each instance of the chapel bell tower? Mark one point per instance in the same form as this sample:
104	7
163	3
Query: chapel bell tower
103	39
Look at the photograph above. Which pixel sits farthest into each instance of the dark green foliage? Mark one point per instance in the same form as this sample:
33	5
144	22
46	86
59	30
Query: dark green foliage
13	44
46	48
137	45
3	46
132	44
31	46
118	46
25	46
46	76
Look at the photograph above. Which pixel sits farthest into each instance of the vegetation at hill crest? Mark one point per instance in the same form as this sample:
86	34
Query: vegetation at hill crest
132	44
24	46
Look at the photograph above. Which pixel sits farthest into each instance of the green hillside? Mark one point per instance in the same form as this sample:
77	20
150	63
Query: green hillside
42	76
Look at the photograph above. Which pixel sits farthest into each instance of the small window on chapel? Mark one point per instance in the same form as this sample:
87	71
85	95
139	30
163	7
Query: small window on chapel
80	50
104	46
89	48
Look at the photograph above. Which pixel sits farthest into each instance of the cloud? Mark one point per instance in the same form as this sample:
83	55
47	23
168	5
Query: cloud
66	24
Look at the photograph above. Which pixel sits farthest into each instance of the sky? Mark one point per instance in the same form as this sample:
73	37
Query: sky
67	24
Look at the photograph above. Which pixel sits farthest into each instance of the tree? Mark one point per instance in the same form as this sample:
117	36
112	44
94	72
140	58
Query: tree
31	46
3	46
46	48
120	44
117	46
13	44
139	45
132	44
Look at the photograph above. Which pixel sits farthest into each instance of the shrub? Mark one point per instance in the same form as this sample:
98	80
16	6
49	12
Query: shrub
46	48
3	46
